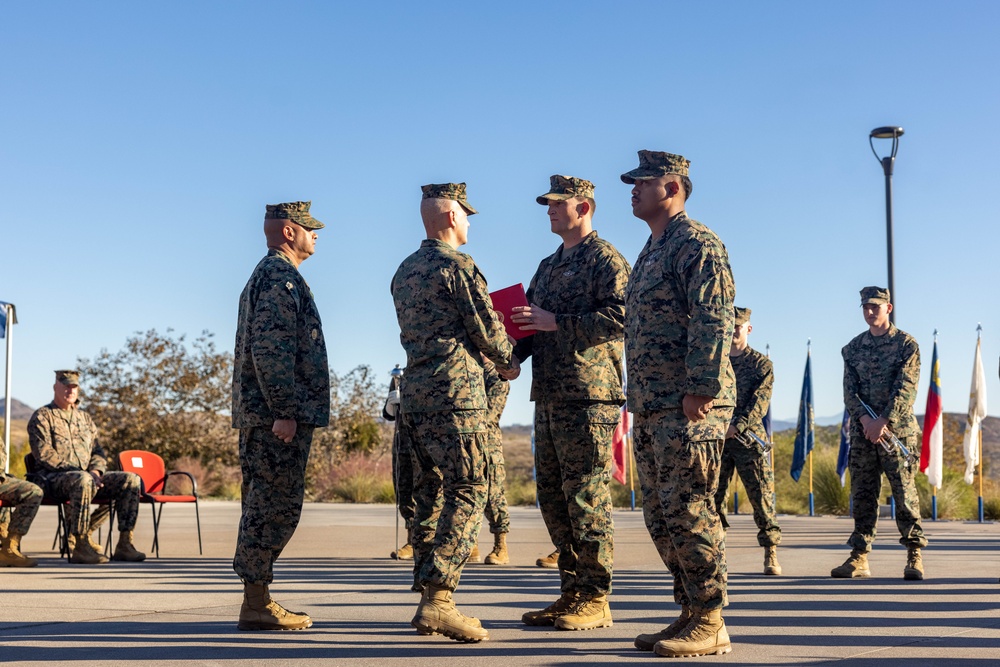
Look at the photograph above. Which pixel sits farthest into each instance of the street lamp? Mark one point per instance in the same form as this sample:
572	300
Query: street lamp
894	133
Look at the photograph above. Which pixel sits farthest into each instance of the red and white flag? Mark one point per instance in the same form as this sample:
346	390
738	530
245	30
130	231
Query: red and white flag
931	454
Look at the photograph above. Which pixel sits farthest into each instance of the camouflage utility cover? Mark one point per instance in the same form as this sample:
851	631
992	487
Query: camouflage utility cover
562	188
679	319
296	211
582	359
884	372
453	191
68	378
754	382
446	320
653	164
875	295
742	315
280	364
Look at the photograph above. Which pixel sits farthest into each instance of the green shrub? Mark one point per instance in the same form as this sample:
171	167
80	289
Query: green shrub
991	508
520	490
829	497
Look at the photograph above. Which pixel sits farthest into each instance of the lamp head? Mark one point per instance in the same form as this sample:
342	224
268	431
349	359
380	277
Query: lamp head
887	132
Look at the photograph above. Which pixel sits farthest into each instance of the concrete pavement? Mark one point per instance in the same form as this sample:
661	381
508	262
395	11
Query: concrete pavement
181	609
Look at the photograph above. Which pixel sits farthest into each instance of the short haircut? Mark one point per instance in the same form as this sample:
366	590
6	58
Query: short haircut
688	187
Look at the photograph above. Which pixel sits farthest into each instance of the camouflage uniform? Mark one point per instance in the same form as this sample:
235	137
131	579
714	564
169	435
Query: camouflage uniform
754	381
577	379
22	497
678	328
64	444
446	322
279	372
883	371
496	512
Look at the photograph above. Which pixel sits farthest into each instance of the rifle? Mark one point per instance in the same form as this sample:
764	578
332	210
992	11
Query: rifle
891	440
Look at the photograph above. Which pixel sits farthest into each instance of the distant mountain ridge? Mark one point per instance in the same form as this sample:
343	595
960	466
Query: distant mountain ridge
18	410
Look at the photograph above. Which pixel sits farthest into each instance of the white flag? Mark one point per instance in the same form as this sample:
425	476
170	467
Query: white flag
977	412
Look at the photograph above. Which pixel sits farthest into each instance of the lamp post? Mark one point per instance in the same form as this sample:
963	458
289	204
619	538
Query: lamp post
894	133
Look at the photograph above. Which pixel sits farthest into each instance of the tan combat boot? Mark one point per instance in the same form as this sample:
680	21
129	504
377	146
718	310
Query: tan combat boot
588	612
855	566
84	552
647	642
71	542
10	553
771	565
474	556
260	612
551	561
914	570
125	550
549	615
437	613
705	635
499	554
405	552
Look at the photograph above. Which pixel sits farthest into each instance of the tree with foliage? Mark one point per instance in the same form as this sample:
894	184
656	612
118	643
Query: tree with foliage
356	425
159	394
165	395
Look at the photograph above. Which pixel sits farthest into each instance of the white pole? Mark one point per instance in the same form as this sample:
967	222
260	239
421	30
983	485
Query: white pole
6	400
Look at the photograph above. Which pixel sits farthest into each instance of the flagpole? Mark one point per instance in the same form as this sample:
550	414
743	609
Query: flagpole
979	339
7	397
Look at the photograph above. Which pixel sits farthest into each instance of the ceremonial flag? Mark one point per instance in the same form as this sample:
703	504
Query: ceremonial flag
3	317
768	429
977	412
843	456
931	452
619	445
805	430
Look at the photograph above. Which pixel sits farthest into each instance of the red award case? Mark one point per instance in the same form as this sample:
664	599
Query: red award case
504	301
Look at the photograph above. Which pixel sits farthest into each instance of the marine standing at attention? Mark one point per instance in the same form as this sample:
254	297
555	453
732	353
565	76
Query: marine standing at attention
577	309
744	454
681	389
882	368
446	324
281	393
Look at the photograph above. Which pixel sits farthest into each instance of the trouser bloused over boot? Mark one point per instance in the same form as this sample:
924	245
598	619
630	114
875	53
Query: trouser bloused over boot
272	492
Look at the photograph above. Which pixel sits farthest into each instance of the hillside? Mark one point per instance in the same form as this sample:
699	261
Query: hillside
18	444
18	410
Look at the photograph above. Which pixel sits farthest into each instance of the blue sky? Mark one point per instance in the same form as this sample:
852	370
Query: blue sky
141	142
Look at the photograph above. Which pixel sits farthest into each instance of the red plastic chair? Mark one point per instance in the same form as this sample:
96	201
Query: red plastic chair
150	468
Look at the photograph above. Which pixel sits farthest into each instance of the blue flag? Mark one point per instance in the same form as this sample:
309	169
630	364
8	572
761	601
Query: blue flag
767	425
805	431
3	317
845	447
